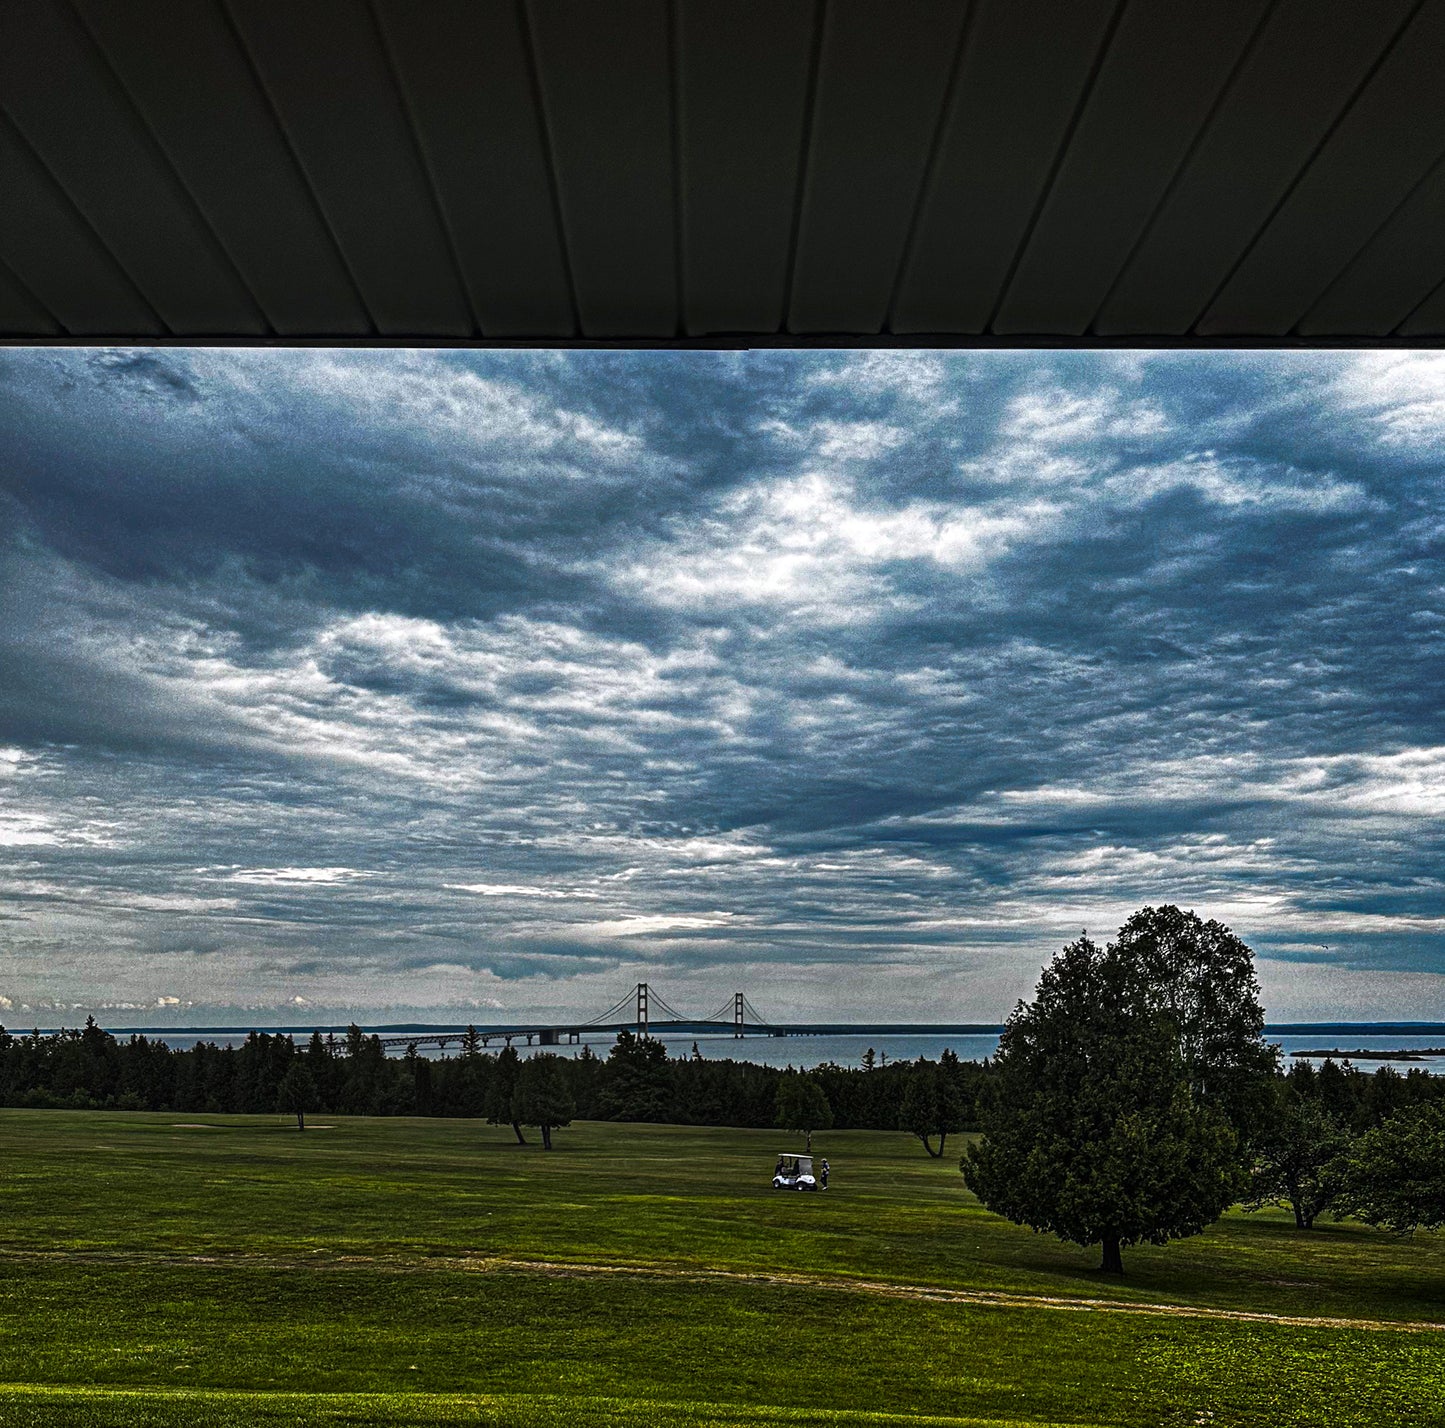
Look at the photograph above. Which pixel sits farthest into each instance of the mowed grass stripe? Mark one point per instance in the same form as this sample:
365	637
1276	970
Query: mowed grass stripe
38	1406
395	1264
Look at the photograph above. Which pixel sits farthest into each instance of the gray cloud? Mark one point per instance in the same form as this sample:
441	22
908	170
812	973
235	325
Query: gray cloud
860	680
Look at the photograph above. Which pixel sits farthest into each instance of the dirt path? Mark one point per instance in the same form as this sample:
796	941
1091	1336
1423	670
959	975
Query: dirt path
888	1289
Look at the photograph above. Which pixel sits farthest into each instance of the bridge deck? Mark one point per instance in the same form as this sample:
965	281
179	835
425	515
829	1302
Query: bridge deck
550	1034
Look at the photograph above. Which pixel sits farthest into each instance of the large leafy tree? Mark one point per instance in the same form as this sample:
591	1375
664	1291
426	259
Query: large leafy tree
1112	1114
1199	978
1394	1175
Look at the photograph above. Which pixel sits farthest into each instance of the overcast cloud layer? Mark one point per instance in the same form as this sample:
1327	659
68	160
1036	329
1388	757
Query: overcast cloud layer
855	681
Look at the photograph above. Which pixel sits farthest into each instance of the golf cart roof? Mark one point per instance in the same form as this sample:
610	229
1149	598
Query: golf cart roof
796	1159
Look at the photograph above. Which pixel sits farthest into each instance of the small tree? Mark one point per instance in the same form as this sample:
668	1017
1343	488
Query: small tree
932	1105
801	1105
542	1097
1394	1175
501	1087
1298	1161
297	1092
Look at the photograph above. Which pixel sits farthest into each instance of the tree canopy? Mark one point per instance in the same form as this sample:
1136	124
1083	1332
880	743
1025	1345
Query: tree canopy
1112	1114
634	1080
1394	1174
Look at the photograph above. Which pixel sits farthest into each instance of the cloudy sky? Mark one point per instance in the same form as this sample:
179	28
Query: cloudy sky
857	681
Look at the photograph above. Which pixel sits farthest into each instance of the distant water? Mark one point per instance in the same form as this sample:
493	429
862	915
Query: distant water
847	1048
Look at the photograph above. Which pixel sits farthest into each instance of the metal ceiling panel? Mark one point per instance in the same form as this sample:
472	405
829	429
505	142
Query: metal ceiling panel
466	70
881	89
325	71
55	253
1294	84
98	149
19	310
606	78
1159	81
685	171
1394	274
744	83
1384	145
1024	67
1427	321
185	73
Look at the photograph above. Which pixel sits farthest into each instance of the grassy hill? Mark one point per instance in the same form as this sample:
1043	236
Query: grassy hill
414	1271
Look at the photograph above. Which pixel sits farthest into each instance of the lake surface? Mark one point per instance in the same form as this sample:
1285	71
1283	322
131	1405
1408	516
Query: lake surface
847	1047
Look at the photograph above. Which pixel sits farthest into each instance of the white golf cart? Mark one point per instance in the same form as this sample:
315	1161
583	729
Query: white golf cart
794	1172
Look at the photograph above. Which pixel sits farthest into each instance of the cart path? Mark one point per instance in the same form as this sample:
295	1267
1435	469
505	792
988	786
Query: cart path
782	1279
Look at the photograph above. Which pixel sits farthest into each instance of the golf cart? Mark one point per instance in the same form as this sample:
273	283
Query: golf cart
794	1172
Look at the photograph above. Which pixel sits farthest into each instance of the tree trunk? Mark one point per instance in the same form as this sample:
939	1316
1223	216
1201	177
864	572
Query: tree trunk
521	1139
1300	1223
300	1120
809	1134
1113	1259
546	1137
942	1137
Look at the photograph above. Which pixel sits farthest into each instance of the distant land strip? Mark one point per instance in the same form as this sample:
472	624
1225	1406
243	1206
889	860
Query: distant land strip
1418	1053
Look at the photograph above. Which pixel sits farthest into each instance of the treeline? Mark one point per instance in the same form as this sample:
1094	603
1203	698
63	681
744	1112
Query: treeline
90	1069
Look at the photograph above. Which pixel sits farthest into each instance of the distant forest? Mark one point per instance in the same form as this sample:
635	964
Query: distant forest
90	1069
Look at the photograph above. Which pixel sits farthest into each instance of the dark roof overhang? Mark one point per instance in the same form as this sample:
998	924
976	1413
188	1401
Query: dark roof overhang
694	172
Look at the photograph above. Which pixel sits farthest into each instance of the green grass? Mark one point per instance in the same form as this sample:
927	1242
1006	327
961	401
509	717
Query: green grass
151	1274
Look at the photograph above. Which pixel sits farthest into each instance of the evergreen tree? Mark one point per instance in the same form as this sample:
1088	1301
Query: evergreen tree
584	1075
636	1080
